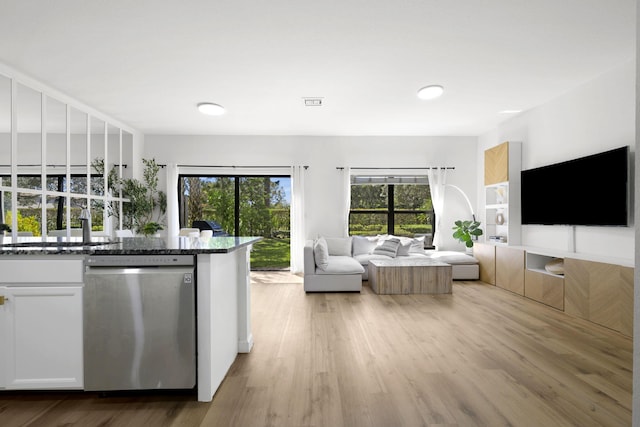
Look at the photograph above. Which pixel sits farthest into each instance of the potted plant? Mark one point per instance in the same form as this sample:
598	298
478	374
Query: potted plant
151	228
147	205
467	231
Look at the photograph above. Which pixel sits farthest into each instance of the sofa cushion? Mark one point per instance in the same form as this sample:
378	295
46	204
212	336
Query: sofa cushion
364	245
341	265
340	246
417	255
321	253
452	257
388	247
365	258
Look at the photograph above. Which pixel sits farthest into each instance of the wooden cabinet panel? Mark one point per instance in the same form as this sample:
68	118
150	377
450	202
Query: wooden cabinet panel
601	293
544	288
496	164
510	269
486	256
626	300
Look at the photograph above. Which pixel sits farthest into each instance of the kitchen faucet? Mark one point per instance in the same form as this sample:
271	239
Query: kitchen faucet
85	220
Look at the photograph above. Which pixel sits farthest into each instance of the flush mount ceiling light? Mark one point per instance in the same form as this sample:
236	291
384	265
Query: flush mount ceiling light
430	92
313	102
211	109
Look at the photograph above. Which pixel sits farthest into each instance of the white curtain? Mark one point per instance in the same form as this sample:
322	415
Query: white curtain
173	219
437	181
346	184
297	219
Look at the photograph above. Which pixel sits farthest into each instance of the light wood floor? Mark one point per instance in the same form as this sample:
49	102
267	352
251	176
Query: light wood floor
481	356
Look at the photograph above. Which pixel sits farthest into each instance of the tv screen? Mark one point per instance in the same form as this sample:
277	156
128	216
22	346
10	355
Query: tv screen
591	190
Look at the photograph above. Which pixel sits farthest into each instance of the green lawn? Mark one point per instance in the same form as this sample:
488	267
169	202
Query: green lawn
270	253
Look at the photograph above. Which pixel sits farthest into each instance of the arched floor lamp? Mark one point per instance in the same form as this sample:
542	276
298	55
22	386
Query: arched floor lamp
473	215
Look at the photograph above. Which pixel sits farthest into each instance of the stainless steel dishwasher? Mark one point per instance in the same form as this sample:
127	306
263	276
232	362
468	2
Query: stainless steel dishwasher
139	322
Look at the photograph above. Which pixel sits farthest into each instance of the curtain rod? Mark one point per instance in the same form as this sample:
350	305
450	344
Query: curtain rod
60	166
57	166
407	168
234	167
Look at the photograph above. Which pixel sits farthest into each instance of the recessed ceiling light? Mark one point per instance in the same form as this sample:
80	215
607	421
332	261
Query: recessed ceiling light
430	92
211	109
510	111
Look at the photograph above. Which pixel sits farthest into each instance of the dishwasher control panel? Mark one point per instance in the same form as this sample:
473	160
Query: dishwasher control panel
139	260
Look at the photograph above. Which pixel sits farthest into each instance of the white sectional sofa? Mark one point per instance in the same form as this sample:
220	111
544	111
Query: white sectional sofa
333	264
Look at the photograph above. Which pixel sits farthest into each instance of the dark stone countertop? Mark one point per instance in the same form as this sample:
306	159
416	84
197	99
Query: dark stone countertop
129	246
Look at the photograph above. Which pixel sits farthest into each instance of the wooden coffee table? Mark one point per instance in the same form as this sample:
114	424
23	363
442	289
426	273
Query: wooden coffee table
410	276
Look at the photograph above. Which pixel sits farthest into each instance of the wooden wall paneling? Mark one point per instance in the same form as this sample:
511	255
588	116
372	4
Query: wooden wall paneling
544	288
496	164
486	256
510	269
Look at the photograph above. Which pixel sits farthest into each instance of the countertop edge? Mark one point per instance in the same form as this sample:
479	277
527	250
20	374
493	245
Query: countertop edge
98	250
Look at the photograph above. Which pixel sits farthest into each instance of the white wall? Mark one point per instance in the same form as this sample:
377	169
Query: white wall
324	188
594	117
636	292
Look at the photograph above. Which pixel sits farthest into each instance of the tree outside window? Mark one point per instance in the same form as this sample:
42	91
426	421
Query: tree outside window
398	209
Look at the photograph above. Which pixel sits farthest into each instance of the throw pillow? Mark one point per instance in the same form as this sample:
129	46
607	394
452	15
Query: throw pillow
405	245
417	245
321	253
388	247
339	246
364	245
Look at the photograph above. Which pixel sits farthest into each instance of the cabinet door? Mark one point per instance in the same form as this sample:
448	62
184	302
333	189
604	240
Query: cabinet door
544	288
486	256
600	292
496	164
42	327
4	354
510	269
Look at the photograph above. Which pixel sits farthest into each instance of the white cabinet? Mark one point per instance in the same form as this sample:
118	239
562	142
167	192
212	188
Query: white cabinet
41	325
42	331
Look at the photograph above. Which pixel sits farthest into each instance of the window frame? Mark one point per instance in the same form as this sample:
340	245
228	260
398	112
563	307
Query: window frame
391	210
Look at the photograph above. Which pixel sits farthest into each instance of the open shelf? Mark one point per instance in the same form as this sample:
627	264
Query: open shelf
536	262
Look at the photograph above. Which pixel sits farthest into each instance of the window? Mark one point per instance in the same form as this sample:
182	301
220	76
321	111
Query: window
30	204
399	209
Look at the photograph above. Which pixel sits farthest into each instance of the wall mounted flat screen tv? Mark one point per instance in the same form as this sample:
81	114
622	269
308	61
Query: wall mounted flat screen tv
591	190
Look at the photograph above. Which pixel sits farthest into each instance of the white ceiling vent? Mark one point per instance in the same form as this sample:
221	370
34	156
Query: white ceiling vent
312	102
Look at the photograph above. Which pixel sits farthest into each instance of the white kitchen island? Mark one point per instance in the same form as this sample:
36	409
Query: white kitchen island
224	315
46	281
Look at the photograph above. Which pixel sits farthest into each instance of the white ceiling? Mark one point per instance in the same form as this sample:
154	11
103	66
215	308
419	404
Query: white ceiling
147	63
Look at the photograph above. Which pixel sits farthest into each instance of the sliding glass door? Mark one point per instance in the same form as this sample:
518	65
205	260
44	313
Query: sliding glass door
242	205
